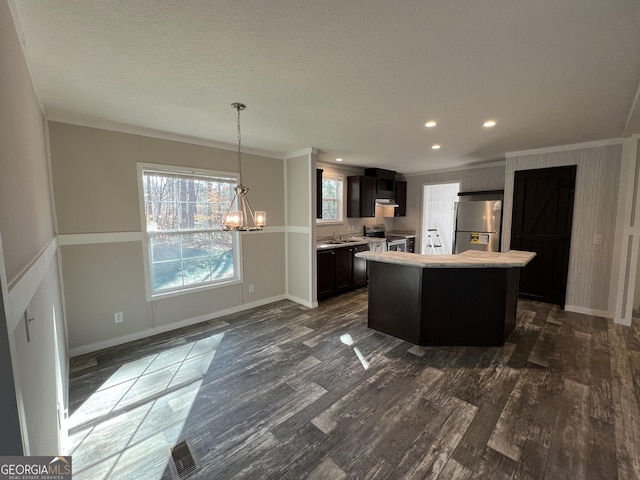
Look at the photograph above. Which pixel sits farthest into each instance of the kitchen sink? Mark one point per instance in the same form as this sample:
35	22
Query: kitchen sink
337	241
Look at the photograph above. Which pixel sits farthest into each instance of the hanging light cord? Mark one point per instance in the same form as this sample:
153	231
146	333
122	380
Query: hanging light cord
239	107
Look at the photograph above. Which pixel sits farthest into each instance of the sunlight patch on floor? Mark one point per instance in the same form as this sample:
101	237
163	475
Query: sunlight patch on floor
124	430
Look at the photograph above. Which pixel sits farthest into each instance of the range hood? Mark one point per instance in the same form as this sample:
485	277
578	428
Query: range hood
386	202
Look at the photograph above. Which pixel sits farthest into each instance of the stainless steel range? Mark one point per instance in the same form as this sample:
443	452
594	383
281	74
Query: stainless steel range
395	243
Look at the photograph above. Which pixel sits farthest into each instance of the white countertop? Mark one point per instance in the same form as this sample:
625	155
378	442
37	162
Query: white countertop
326	243
468	259
401	233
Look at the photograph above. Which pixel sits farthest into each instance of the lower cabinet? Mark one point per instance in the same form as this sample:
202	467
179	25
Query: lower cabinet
344	269
339	270
359	277
326	273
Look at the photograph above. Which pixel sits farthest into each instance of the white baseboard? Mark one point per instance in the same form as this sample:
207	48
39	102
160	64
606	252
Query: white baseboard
301	301
623	321
112	342
588	311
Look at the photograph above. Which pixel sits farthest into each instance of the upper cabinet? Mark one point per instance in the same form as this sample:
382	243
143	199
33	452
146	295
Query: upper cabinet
319	192
361	196
385	182
362	192
401	198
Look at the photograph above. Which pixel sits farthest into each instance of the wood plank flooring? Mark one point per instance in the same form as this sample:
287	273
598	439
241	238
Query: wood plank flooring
286	392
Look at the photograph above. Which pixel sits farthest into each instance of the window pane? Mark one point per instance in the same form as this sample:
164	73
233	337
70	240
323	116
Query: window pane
222	265
167	275
195	245
196	270
329	209
165	247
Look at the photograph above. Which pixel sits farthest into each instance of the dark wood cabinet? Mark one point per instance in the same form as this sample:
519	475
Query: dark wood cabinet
362	192
401	199
359	277
344	269
411	245
385	182
410	302
319	192
339	270
361	196
326	273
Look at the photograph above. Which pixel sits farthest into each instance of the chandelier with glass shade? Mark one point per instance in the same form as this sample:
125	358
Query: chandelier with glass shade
240	216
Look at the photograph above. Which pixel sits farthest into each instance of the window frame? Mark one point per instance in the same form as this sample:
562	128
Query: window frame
341	201
236	238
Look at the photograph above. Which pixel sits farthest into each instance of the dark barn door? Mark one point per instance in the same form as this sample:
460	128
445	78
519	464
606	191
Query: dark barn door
541	223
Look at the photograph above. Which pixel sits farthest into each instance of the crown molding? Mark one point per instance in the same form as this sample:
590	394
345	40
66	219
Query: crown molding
473	166
565	148
339	167
300	153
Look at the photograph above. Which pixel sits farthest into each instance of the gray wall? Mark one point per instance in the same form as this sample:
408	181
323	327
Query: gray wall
95	187
594	212
28	268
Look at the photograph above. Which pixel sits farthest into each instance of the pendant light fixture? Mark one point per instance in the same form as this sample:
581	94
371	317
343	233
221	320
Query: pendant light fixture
238	219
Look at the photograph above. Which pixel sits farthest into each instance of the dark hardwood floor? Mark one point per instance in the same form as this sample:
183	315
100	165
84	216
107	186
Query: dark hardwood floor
283	391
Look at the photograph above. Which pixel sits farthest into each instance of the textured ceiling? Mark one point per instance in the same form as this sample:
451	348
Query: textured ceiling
354	78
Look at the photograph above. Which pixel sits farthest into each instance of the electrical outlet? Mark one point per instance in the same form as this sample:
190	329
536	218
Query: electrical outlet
119	317
597	239
252	288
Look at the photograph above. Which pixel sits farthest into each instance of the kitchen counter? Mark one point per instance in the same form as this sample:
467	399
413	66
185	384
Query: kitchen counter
465	299
324	244
401	233
468	259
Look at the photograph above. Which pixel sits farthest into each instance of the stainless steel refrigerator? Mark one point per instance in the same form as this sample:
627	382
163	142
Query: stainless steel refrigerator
478	225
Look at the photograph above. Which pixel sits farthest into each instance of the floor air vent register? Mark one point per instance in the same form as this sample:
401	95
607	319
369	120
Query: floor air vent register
182	461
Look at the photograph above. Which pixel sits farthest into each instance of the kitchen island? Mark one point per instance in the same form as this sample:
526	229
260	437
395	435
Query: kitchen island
464	299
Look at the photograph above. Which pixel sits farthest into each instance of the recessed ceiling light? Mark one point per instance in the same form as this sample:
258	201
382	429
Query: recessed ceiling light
489	123
435	147
338	159
430	124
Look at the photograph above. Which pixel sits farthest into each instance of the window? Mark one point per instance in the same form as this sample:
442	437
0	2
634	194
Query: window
183	214
331	199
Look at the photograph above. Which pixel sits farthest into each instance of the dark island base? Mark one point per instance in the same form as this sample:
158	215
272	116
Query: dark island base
443	306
